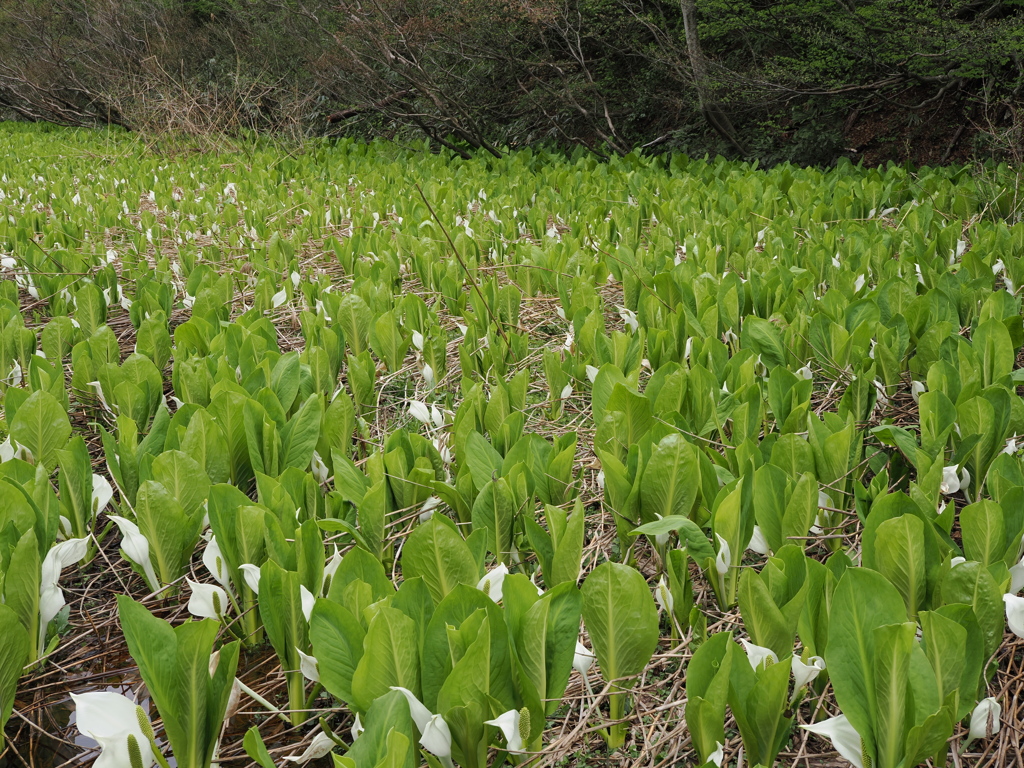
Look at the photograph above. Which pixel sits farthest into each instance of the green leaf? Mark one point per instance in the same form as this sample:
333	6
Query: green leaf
483	461
388	714
175	665
256	749
763	337
171	533
154	340
390	658
14	654
621	618
458	609
690	535
568	549
355	316
984	535
973	585
671	479
284	379
300	434
899	556
945	644
479	674
57	337
42	426
494	511
438	555
892	648
991	341
707	691
280	601
183	477
863	601
759	702
626	419
545	642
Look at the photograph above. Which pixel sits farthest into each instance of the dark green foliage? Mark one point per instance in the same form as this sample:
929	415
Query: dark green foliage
805	81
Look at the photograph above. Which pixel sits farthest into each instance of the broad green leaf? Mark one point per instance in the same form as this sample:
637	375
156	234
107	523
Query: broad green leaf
863	601
300	435
175	665
13	656
438	555
184	478
892	649
42	426
390	657
707	692
621	618
671	480
494	512
984	535
546	641
690	535
899	556
388	714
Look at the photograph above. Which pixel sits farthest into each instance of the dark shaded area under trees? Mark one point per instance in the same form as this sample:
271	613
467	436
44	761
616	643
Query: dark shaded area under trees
809	81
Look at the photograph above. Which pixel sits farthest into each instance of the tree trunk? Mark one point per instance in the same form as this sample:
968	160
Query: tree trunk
706	91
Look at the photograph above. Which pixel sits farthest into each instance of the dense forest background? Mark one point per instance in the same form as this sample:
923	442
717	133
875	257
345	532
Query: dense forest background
927	81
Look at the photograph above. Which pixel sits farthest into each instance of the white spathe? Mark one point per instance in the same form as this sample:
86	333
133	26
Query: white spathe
660	539
108	718
436	416
844	738
419	713
308	601
102	493
629	318
251	574
1015	614
723	560
1016	577
758	655
419	411
435	736
582	659
357	728
427	510
985	719
309	666
207	601
508	722
51	597
950	483
758	543
804	674
718	755
917	388
319	468
331	568
214	561
320	746
663	596
492	582
136	547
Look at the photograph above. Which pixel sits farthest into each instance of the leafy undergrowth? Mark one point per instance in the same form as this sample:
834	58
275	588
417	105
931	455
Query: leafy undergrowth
389	419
